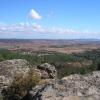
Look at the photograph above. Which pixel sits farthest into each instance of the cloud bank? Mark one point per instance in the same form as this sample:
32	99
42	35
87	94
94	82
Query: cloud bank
36	28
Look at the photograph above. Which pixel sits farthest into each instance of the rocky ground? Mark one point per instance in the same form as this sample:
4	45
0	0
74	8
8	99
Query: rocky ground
11	68
73	87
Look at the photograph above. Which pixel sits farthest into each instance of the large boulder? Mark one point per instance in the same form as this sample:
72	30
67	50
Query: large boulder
74	87
11	68
47	71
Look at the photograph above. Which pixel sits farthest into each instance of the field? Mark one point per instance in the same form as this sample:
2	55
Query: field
62	46
68	56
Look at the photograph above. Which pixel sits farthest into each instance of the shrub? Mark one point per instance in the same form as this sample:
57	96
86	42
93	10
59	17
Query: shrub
1	58
1	98
20	86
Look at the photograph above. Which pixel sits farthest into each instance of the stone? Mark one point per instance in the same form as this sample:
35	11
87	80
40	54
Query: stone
10	69
73	87
47	71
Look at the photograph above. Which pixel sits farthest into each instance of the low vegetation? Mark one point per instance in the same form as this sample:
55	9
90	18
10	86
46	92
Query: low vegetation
65	65
60	61
20	86
1	98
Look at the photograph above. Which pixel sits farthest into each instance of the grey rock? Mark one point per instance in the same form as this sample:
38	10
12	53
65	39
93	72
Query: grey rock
73	87
47	71
11	68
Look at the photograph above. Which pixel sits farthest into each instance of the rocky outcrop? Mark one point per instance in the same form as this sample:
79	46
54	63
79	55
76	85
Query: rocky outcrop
11	68
47	71
74	87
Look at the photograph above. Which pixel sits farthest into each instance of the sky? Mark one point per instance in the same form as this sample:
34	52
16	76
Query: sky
50	19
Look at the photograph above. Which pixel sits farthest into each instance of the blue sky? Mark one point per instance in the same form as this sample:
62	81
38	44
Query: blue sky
50	19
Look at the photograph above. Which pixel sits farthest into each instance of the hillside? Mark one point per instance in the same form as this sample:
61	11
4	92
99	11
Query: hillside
49	77
43	83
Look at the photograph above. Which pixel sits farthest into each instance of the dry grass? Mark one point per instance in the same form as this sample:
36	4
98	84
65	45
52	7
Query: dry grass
50	46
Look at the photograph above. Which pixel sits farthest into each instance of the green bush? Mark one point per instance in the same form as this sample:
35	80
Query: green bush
20	86
59	60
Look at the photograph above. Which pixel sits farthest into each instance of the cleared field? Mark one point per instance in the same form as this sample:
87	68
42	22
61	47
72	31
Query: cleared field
62	46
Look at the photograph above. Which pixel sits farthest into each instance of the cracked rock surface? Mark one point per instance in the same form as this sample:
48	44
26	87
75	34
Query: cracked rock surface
73	87
11	68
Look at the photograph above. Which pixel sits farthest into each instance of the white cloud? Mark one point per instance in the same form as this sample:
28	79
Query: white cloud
27	29
34	15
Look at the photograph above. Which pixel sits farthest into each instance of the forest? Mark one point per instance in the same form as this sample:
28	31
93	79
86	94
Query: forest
64	63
